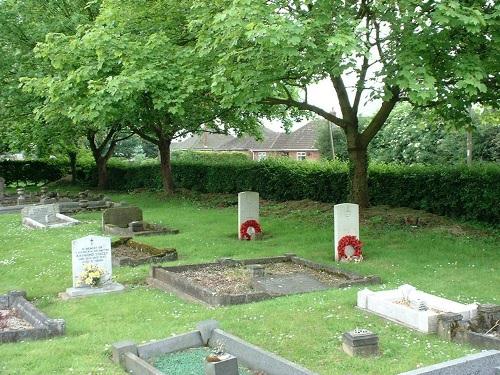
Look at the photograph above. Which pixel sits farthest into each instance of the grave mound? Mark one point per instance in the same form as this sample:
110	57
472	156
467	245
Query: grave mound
127	252
230	282
20	320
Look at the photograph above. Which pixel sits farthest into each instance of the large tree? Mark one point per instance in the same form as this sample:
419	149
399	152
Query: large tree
137	66
442	54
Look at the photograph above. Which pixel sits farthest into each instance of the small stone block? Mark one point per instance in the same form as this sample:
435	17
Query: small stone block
122	347
362	351
360	342
136	226
488	308
206	328
450	317
227	366
256	270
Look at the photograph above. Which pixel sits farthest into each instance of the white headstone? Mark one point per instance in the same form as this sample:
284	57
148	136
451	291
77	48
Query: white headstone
248	208
44	213
346	223
2	187
94	250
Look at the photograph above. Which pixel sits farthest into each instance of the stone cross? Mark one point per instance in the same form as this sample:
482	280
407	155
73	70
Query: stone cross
94	250
346	223
248	208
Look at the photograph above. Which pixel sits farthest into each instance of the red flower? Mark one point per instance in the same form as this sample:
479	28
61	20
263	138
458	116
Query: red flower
244	235
350	241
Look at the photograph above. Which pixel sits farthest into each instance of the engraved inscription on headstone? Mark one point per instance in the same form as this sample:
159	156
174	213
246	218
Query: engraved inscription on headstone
93	250
346	223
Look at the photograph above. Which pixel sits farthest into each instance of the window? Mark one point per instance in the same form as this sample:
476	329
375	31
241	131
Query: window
261	156
301	155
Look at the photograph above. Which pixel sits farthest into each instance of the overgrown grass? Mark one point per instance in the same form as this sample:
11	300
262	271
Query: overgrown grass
304	328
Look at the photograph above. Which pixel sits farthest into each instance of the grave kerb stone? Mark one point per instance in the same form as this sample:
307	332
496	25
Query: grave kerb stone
346	222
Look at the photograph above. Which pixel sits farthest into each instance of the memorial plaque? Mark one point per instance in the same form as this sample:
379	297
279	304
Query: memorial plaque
93	250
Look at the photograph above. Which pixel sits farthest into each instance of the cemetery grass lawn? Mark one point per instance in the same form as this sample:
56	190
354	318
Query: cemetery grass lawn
303	328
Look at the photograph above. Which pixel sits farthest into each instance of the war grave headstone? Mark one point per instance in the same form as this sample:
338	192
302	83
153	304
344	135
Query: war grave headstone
346	242
128	222
484	363
248	216
45	216
166	355
20	320
411	307
229	281
91	268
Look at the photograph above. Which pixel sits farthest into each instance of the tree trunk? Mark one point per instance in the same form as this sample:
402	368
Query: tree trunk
358	175
469	146
166	169
102	172
72	164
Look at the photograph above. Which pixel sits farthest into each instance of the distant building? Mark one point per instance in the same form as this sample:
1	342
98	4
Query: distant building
298	145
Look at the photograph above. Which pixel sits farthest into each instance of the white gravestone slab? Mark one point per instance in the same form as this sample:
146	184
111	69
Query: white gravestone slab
248	208
346	223
2	187
45	216
92	250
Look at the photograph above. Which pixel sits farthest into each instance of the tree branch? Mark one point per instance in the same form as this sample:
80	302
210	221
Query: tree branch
345	106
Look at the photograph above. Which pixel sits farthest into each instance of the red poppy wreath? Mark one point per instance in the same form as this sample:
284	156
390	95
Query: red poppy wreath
246	233
349	248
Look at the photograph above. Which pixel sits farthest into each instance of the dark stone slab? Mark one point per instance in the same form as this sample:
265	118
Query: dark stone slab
288	284
121	216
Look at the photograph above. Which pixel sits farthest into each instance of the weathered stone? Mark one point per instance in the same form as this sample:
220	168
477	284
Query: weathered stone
227	366
120	348
447	325
360	342
206	328
121	216
256	270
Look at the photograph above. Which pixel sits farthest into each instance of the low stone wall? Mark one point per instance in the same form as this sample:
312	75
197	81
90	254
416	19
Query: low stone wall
43	327
133	358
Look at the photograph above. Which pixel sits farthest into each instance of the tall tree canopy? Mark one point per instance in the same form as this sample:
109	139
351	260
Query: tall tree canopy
442	54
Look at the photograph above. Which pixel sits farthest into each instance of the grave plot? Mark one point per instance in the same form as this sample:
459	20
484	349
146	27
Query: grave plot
482	331
207	350
127	252
45	216
128	222
20	320
230	282
411	307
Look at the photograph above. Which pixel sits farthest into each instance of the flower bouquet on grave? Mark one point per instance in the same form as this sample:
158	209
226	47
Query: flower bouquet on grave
217	353
91	276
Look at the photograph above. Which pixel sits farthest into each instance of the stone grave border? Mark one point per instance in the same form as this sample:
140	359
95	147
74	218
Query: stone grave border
33	224
133	358
43	327
484	363
381	304
169	255
168	279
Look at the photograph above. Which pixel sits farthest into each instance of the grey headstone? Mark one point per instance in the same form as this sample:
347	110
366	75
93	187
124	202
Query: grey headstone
44	213
484	363
121	216
228	366
289	284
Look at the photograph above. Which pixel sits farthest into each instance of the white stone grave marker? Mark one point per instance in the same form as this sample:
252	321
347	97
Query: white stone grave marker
45	216
346	223
248	208
95	251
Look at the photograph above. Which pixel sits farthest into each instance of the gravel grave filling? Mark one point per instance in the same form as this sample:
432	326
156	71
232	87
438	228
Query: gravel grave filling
223	279
10	321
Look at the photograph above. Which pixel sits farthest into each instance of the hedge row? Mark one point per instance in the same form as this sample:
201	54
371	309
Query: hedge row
32	171
469	193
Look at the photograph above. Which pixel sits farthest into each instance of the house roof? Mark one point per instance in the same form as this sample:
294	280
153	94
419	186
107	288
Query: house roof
249	143
205	141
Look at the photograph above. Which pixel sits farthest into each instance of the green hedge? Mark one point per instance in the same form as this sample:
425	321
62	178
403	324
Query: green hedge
469	193
32	171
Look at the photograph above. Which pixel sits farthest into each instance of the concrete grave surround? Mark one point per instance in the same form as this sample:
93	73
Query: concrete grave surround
169	254
172	280
45	216
248	208
484	363
134	358
43	327
383	304
346	223
93	250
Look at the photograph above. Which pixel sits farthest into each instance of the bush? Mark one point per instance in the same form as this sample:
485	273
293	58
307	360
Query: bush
32	171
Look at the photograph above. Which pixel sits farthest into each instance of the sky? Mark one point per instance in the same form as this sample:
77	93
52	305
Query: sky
322	94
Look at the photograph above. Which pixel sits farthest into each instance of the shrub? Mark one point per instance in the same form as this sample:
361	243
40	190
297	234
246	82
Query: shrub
32	171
